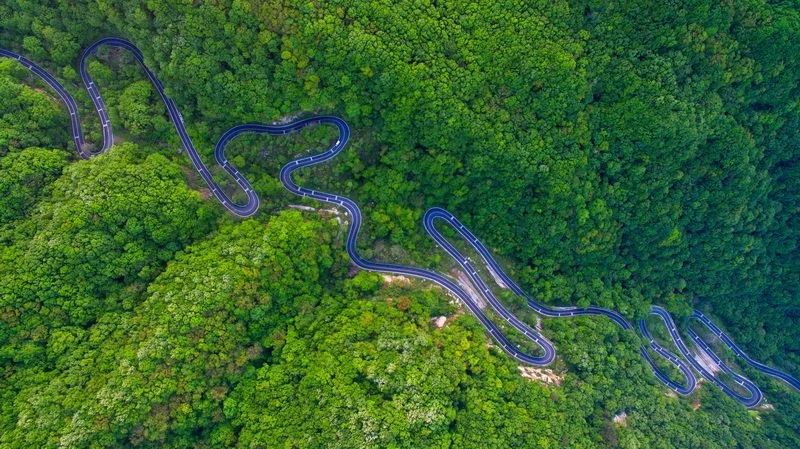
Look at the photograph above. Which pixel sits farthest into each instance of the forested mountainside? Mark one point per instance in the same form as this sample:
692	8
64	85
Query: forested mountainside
621	154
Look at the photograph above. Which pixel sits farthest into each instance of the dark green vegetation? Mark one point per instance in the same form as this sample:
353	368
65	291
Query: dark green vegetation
615	154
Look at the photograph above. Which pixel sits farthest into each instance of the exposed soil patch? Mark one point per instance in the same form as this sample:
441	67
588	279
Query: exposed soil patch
497	278
330	211
287	119
304	208
464	282
544	375
392	279
765	407
707	362
323	212
439	322
191	177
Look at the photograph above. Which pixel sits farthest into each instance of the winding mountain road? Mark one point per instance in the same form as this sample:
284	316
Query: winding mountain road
751	399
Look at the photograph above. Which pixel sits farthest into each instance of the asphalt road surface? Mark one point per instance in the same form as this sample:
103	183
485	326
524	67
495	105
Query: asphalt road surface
743	390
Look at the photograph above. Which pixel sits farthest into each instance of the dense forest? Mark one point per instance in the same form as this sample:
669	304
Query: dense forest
613	153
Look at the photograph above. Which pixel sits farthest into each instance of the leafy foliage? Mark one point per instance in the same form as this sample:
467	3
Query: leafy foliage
23	177
29	117
616	153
